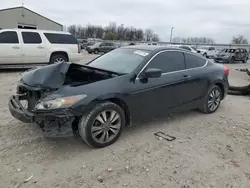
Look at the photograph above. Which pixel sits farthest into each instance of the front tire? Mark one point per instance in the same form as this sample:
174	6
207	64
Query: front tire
96	51
212	100
232	60
102	126
205	55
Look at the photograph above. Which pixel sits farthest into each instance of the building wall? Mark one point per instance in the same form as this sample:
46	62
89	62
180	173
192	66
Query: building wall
9	19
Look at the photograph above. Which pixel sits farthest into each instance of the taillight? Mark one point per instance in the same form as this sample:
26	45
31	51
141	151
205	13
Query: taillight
79	48
226	70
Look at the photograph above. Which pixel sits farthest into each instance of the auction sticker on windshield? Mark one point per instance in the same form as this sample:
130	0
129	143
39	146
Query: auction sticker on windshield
142	53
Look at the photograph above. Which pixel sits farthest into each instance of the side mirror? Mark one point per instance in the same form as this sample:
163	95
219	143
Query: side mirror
198	51
153	73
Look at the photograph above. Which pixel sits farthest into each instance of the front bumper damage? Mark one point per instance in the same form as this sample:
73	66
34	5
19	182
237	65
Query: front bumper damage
222	60
54	123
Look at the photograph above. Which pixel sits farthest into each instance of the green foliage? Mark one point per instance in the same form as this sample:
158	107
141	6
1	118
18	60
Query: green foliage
239	40
112	32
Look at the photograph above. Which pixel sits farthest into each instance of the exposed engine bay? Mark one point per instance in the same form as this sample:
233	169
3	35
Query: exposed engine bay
40	83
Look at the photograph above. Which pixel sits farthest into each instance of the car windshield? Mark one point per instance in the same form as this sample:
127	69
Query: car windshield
96	44
122	61
228	50
204	47
193	48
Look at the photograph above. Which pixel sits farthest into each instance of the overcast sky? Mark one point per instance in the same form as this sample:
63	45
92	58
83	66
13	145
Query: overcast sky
218	19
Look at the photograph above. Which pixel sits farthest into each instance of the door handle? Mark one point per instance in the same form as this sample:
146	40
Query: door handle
185	77
40	47
15	47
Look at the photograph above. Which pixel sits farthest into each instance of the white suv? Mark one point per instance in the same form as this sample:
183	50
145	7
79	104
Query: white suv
208	51
29	46
186	47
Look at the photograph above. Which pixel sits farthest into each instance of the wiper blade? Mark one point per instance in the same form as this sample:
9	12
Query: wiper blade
102	70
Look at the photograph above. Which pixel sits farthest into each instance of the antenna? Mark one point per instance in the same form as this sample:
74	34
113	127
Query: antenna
22	3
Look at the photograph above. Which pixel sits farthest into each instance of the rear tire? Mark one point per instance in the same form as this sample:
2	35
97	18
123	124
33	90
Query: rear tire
244	61
232	60
58	58
212	100
99	130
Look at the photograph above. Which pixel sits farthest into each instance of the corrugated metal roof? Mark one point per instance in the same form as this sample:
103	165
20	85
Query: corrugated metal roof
30	11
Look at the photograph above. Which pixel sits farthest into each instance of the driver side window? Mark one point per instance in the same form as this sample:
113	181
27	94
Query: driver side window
168	61
102	44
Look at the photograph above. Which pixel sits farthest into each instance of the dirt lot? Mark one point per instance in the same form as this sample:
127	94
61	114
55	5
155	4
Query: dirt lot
210	150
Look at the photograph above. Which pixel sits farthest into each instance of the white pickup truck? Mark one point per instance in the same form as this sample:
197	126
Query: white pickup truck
208	51
29	46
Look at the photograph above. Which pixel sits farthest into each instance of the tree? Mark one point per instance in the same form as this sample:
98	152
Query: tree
139	35
148	34
194	40
80	32
111	32
110	36
99	32
176	40
120	32
239	40
155	38
72	29
90	31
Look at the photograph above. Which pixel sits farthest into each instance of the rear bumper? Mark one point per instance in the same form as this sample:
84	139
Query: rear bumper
221	60
75	57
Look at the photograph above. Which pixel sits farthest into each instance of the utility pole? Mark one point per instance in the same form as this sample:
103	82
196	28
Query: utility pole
171	34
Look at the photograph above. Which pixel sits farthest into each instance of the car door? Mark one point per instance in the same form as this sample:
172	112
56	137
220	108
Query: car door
243	54
237	55
10	48
198	82
158	95
103	47
112	46
33	47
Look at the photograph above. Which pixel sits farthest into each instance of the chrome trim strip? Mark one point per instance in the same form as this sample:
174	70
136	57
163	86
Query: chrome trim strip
137	77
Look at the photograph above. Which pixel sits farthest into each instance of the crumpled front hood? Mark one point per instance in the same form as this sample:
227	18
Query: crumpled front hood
47	77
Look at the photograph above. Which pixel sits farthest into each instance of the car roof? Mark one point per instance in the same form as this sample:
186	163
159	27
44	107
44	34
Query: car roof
149	47
36	30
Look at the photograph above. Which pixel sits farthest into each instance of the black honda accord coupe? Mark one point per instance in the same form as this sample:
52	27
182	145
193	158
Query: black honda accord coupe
128	84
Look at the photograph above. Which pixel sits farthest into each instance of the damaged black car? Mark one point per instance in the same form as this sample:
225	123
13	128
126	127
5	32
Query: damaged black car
232	55
131	83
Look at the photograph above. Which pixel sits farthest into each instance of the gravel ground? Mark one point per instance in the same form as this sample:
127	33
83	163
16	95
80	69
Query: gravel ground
209	150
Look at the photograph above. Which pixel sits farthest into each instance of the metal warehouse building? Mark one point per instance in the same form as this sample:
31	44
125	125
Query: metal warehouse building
21	17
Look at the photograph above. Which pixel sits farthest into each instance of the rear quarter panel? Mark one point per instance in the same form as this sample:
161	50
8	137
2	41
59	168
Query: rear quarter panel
204	78
216	75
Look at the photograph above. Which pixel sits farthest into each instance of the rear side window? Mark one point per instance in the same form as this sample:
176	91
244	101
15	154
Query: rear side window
193	61
56	38
9	37
106	44
211	48
31	38
168	62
